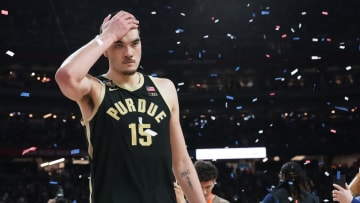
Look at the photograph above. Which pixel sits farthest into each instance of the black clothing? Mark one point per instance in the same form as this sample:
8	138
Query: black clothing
129	145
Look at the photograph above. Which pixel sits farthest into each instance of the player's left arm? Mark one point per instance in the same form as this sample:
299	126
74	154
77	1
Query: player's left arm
183	167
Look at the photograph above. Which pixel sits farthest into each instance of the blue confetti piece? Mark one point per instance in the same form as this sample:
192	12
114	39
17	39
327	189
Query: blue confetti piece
75	151
338	175
24	94
229	97
341	108
179	30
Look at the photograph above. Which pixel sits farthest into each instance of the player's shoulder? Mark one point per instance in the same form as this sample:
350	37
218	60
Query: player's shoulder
162	81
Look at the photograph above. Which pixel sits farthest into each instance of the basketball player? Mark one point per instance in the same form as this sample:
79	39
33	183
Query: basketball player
135	140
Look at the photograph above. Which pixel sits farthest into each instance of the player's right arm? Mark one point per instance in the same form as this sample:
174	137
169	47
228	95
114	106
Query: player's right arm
72	74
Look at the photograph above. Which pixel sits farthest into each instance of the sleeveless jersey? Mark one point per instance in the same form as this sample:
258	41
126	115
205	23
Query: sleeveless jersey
129	146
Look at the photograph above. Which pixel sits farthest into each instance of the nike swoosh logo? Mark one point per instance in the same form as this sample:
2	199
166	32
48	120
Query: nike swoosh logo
113	89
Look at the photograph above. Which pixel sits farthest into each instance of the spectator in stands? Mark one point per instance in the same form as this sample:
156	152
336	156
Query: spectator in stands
208	174
349	194
294	186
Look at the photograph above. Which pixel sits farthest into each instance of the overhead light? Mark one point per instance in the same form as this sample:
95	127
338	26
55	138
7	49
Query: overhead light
298	158
231	153
52	162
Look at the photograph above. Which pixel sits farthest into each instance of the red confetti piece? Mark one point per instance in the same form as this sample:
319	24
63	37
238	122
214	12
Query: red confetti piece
325	13
25	151
4	12
272	94
267	55
284	36
333	131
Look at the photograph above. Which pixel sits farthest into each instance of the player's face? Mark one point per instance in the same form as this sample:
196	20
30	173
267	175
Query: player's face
207	187
124	55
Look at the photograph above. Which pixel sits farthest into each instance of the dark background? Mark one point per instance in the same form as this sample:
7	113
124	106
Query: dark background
243	69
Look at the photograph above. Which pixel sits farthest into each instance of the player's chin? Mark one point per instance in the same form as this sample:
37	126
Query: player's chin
130	71
131	66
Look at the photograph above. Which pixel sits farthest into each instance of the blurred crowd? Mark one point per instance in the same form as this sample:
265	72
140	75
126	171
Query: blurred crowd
25	182
230	80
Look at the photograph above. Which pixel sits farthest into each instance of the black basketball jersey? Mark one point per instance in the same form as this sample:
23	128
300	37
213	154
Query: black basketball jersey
129	145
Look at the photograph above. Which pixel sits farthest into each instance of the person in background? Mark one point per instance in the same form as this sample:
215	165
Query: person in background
208	174
355	186
349	194
132	120
180	198
294	186
59	197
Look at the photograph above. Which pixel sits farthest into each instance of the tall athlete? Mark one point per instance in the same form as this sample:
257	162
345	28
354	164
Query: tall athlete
136	144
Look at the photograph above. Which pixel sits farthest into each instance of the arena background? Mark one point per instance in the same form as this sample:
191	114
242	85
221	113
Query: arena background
284	75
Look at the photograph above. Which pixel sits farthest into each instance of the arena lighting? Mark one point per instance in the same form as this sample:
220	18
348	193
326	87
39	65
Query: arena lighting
231	153
81	161
298	158
52	162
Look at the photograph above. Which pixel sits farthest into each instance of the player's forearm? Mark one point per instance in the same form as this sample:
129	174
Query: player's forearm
78	64
189	182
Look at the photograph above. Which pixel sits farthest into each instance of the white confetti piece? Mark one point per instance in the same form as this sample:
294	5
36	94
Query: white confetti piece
10	53
151	132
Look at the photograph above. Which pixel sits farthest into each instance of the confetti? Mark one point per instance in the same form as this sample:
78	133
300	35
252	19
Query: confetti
229	97
315	57
31	149
325	13
10	53
151	132
24	94
4	12
75	151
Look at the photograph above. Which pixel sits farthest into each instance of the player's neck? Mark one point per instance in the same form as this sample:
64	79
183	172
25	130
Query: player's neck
126	81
